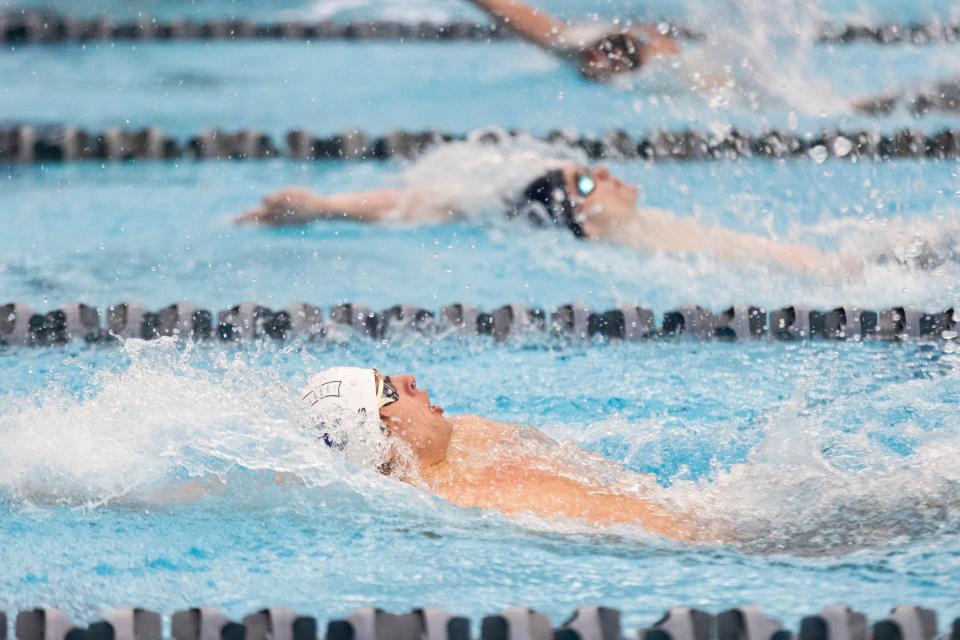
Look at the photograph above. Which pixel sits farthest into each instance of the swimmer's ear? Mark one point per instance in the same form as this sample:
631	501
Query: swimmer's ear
589	229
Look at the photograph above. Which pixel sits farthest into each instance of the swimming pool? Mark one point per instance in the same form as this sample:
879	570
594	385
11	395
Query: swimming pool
186	87
830	466
833	463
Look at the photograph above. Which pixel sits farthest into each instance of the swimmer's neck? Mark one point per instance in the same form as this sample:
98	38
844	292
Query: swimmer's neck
469	434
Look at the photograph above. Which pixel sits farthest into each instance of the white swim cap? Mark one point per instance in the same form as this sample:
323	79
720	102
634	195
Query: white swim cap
344	400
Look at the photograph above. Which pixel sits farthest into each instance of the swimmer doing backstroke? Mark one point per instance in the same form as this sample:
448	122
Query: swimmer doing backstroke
598	52
470	461
589	202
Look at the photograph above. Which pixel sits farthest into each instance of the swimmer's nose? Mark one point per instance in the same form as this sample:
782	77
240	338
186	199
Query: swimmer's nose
404	380
408	383
601	172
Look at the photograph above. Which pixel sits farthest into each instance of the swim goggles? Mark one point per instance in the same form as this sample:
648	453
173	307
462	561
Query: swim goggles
386	392
585	184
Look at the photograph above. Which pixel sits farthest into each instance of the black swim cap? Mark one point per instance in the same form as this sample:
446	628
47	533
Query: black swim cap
545	202
619	48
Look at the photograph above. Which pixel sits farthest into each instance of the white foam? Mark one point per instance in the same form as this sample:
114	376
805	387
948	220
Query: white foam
176	426
168	427
820	480
479	178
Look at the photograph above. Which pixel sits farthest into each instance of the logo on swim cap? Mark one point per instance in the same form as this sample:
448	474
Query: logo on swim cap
341	399
326	390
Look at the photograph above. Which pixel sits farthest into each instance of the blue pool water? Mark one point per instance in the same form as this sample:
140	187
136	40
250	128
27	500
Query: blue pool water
188	87
832	467
828	470
156	233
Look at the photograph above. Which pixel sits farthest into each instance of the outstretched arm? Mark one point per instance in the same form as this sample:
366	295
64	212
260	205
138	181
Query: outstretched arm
655	230
534	25
299	205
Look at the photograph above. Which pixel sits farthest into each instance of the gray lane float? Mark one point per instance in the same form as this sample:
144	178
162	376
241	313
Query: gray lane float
591	623
907	623
123	624
749	623
204	623
29	144
428	623
33	27
43	623
516	623
682	623
279	623
835	622
21	325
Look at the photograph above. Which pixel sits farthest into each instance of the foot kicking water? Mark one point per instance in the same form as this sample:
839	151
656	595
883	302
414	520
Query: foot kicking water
470	461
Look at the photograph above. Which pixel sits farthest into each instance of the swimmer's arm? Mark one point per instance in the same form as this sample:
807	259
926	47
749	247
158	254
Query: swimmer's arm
550	495
659	44
193	490
532	24
655	230
298	205
733	246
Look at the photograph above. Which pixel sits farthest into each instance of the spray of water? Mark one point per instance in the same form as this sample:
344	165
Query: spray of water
823	477
479	177
169	427
758	55
173	426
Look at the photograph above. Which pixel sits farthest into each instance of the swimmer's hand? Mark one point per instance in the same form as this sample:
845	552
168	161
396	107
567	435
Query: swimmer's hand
289	207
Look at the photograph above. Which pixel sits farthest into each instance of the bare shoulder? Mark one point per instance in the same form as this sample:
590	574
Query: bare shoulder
472	423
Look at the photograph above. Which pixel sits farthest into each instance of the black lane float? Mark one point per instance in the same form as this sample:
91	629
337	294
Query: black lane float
22	326
34	27
46	144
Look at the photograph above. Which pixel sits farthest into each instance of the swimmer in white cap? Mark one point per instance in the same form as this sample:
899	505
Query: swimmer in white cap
589	202
470	461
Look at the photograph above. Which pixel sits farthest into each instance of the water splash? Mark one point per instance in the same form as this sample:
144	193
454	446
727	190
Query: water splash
824	476
478	177
169	427
758	54
826	473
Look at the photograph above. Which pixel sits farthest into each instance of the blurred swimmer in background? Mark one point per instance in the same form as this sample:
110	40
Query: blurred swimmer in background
473	462
589	202
598	52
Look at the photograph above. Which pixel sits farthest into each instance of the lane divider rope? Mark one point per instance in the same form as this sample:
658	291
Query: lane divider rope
31	26
833	622
20	325
25	143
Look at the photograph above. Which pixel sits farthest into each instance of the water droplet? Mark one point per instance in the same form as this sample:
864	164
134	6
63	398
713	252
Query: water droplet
819	154
842	146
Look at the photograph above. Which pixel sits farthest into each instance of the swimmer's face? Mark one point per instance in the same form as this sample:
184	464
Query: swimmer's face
612	199
417	422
